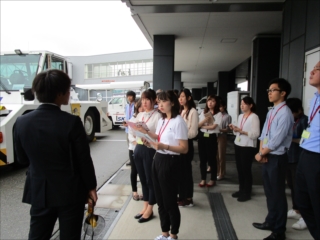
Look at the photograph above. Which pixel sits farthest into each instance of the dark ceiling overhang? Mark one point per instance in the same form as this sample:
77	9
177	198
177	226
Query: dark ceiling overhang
192	8
200	28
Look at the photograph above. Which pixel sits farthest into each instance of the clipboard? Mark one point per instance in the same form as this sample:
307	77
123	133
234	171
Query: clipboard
145	136
143	125
211	118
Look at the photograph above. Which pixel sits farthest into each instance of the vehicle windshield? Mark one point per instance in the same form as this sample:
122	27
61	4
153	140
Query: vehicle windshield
18	71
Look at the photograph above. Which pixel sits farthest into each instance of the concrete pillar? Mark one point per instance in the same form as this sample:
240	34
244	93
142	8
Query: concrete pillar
210	90
226	83
163	62
177	81
196	93
265	62
204	92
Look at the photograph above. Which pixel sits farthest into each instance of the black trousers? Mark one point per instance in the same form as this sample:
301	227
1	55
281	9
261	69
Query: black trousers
165	170
186	179
143	158
134	172
208	147
308	190
274	182
244	157
43	220
291	180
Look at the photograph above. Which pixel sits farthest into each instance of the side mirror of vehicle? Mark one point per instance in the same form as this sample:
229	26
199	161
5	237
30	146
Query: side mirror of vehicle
28	94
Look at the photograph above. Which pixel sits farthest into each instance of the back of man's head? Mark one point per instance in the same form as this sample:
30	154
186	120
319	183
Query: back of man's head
49	84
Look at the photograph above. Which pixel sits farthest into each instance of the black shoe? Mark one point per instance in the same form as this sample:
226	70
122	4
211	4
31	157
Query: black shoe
244	198
262	226
236	194
128	164
276	236
142	220
138	216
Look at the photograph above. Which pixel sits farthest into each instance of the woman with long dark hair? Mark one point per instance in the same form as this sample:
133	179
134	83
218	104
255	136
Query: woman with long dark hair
247	132
190	115
172	135
132	145
209	121
143	156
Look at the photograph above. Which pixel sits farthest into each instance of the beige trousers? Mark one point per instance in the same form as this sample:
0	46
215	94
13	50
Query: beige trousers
221	155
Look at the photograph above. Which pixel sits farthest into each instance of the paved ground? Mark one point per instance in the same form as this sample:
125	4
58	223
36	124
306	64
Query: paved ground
196	222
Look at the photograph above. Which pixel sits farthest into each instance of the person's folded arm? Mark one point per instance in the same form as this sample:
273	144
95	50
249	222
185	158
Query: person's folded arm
254	131
194	121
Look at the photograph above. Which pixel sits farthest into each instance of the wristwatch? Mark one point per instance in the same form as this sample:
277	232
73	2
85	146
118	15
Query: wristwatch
260	153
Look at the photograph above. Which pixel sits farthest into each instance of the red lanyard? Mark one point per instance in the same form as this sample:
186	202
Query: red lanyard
148	118
241	125
160	133
271	119
295	124
313	113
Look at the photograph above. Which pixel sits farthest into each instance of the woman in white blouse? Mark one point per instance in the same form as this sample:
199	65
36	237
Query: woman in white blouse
190	115
143	156
247	131
172	136
207	142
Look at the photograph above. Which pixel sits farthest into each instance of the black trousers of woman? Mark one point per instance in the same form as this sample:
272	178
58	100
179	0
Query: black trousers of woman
134	172
208	147
143	158
165	170
186	179
244	157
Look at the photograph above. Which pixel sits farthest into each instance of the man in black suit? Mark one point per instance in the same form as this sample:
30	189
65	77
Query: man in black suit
61	176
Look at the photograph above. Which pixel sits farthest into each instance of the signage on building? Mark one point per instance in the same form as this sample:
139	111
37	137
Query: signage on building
107	80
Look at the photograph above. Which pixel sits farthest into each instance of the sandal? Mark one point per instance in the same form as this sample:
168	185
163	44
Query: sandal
135	197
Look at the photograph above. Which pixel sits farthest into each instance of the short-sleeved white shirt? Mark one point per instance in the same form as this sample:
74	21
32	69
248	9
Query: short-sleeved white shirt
172	132
150	118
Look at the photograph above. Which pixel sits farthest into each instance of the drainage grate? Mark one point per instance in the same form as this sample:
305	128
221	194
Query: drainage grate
122	177
109	216
221	217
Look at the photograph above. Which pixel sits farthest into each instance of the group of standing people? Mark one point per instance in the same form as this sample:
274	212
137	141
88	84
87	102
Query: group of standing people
166	152
287	136
163	151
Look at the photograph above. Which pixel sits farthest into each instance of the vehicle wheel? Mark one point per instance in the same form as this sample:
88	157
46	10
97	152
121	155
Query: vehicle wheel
89	125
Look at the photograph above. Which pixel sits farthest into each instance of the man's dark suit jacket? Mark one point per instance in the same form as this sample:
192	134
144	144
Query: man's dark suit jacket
44	138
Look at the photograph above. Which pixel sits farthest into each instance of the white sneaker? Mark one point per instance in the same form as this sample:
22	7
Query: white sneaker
161	237
300	225
292	214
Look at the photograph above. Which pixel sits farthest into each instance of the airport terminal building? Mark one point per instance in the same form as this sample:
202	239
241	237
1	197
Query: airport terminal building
108	68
